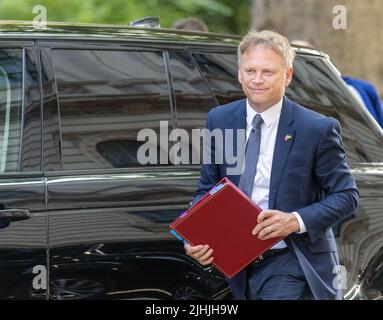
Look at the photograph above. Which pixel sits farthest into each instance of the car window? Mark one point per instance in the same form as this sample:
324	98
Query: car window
220	71
193	100
11	75
105	99
316	87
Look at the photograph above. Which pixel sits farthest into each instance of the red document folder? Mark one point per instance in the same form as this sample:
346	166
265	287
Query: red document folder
224	218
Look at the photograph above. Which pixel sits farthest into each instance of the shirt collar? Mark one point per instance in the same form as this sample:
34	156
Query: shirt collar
269	116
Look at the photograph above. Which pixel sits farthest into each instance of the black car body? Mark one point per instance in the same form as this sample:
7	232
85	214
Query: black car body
78	212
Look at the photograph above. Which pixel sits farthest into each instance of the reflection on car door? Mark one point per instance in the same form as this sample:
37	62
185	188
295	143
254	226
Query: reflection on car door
109	213
23	233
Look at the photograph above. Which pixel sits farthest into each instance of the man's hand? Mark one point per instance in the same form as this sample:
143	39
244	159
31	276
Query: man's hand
201	253
274	223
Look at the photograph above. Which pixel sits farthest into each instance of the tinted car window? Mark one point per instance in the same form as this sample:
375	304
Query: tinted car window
316	87
105	99
220	71
193	98
11	75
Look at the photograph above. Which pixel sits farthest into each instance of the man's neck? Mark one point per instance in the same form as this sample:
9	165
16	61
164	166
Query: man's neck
259	108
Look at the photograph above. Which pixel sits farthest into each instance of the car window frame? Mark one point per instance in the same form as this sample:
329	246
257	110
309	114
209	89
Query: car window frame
28	49
132	46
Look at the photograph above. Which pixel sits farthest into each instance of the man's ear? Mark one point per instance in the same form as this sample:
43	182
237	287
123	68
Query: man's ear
289	76
239	76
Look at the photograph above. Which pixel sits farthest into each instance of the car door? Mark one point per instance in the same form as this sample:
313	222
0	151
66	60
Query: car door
23	221
108	212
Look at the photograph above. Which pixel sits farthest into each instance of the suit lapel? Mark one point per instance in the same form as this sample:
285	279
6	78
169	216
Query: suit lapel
283	144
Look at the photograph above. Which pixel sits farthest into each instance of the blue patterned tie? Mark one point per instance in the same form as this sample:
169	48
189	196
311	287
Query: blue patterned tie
251	156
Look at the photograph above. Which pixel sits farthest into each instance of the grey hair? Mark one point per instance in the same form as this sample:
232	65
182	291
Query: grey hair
271	39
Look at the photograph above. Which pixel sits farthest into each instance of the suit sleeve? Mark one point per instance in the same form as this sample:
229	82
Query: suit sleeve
334	177
210	173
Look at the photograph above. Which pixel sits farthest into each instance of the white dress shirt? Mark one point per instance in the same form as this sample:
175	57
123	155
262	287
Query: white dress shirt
261	187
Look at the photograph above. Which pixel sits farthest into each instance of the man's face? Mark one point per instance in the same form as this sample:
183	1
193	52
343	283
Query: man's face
263	76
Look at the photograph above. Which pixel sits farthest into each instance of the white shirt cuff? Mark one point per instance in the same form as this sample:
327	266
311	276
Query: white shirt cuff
302	227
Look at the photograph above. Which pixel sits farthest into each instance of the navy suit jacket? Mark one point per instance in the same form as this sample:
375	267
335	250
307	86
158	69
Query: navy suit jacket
309	175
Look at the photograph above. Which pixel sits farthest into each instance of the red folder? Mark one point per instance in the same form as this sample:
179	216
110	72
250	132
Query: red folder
224	218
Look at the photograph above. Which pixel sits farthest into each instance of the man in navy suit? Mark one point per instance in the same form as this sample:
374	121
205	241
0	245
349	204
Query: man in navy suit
295	169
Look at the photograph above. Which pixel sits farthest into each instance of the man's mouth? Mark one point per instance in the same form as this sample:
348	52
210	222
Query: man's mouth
258	90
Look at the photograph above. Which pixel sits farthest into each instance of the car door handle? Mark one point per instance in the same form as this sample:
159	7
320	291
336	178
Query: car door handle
15	214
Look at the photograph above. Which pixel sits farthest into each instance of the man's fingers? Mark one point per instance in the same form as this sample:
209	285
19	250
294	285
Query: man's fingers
263	233
264	215
271	235
257	228
197	255
205	263
206	256
193	249
262	225
201	253
267	230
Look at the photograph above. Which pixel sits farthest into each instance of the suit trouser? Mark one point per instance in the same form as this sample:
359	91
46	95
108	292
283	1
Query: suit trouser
277	278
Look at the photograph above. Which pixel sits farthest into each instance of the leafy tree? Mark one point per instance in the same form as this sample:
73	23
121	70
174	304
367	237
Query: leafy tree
223	16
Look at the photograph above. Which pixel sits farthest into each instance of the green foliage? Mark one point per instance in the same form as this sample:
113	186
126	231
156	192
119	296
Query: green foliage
223	16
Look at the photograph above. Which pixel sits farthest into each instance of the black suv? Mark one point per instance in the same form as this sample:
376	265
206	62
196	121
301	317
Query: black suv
81	218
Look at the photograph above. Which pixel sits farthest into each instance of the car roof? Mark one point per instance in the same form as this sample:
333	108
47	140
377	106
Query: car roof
89	31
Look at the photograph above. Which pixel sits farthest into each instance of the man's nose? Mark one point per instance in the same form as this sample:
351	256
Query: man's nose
257	78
